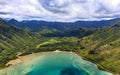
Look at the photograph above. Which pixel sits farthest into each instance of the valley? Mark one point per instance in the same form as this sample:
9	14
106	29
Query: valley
98	45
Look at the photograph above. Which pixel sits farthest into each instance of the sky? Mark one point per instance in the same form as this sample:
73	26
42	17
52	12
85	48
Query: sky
60	10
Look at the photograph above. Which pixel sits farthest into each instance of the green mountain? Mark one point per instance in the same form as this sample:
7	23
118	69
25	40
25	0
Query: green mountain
14	42
103	48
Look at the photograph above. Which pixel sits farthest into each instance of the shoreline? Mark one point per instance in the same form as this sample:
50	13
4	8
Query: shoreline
24	58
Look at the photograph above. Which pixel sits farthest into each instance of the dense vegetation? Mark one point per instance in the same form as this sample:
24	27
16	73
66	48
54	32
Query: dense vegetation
35	26
79	32
101	46
14	42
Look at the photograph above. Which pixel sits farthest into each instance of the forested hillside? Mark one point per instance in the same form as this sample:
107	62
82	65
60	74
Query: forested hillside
103	48
14	42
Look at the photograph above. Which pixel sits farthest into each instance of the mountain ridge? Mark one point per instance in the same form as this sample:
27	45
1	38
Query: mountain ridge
35	25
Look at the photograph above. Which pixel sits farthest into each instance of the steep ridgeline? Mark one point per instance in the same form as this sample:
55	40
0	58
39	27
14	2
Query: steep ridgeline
103	48
14	42
35	26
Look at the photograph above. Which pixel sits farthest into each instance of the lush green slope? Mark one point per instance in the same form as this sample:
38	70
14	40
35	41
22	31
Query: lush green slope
78	32
14	42
103	48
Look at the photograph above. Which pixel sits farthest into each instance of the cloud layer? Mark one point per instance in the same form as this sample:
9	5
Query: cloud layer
60	10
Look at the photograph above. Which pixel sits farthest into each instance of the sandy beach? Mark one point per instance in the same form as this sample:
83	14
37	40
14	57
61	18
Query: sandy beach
26	58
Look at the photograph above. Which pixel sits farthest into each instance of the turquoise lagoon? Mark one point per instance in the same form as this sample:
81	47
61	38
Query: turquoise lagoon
53	63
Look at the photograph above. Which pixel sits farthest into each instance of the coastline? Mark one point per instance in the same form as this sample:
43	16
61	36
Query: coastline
24	58
27	58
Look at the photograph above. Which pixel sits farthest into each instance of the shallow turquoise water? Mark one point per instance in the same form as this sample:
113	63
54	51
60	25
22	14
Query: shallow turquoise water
52	63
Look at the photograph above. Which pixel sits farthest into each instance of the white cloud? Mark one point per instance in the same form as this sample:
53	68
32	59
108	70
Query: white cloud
60	10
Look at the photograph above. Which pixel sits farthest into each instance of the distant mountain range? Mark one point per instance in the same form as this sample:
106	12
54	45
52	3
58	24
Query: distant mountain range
36	26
